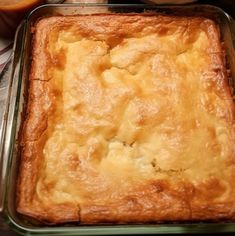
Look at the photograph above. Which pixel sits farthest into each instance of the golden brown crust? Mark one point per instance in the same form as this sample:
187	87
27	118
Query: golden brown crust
129	119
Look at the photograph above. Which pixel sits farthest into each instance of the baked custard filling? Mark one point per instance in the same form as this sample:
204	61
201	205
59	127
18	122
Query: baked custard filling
130	119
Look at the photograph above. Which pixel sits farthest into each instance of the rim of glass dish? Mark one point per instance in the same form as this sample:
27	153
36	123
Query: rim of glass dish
115	229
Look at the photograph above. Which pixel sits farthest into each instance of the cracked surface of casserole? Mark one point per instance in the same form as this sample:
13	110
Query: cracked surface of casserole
129	119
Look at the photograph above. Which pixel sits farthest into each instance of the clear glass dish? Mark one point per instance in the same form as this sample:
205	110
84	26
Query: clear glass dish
17	98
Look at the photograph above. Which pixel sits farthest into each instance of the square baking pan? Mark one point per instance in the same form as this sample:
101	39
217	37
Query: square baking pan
17	99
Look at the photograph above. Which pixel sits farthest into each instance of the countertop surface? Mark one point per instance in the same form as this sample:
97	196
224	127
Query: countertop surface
227	5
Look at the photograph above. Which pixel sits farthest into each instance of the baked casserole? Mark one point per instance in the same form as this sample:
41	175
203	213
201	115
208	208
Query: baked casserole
130	119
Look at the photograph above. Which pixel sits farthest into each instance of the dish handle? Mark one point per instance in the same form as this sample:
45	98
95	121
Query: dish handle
9	82
4	89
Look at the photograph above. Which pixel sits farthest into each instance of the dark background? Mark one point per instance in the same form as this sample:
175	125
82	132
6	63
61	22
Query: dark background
226	5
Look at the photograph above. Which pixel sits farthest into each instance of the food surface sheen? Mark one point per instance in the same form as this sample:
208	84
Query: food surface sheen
135	121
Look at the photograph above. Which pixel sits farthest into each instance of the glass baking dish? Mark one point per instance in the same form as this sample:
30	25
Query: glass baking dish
17	99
